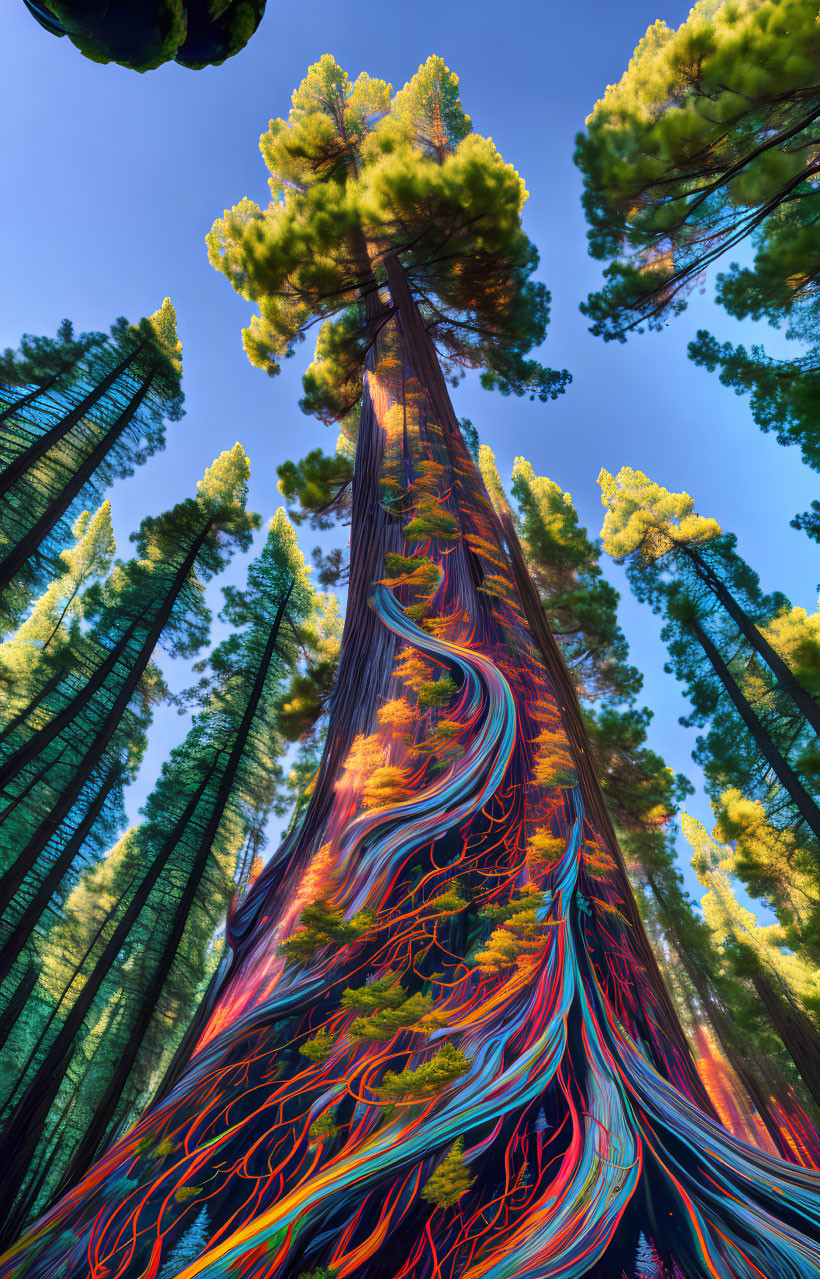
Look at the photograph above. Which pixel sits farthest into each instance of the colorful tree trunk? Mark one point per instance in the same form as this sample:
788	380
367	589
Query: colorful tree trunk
442	1047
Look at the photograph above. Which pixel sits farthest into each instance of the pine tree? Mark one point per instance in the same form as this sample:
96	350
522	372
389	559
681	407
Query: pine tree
163	889
39	363
188	1247
450	1180
580	1022
709	138
702	142
194	33
640	791
716	618
154	597
65	762
30	661
647	1261
787	985
65	443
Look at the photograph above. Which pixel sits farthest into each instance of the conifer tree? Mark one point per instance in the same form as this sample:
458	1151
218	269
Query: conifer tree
640	791
143	36
69	746
39	363
773	866
686	567
30	661
707	138
710	137
450	678
191	1242
787	986
163	889
359	176
67	441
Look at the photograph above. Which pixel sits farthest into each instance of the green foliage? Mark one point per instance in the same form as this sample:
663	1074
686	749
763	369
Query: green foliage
436	692
749	947
43	450
356	173
641	793
198	817
681	563
391	1009
580	604
701	141
708	138
442	1070
384	992
450	1180
318	483
323	1129
319	926
501	912
319	1048
39	359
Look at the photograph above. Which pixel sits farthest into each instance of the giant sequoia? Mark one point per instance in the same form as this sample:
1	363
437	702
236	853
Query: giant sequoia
442	1045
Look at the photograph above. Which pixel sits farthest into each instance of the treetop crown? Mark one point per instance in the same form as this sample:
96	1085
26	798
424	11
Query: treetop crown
357	174
644	517
225	482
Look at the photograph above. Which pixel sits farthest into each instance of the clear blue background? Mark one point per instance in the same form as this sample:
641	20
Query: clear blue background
112	179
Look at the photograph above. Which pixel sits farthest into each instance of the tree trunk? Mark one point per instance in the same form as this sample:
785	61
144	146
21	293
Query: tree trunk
806	704
423	357
785	774
800	1036
25	1128
28	544
36	451
55	1010
99	1125
31	785
29	399
718	1022
18	1001
16	873
25	1207
28	920
22	1202
23	715
41	738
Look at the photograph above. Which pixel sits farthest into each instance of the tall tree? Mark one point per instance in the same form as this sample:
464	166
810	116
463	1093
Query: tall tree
155	598
641	792
707	138
446	946
356	176
34	664
710	137
144	917
39	363
140	36
787	986
773	866
71	438
688	569
30	661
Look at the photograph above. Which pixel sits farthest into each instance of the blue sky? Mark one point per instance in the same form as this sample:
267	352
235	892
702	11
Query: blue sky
112	180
